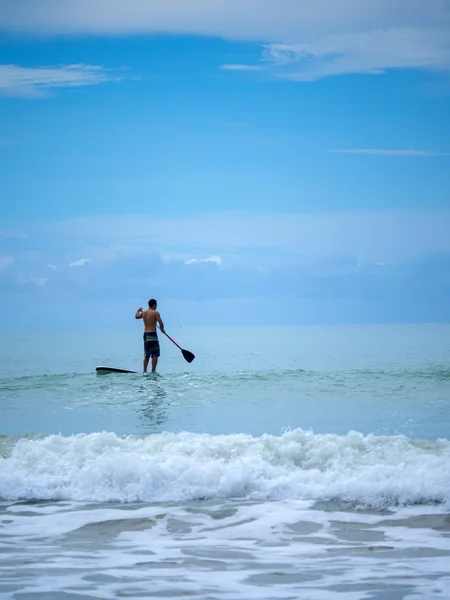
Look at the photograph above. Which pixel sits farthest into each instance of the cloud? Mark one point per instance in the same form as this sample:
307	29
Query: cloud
371	51
332	267
272	20
236	67
389	152
340	290
21	82
212	259
80	263
25	280
315	267
5	262
304	41
52	267
387	236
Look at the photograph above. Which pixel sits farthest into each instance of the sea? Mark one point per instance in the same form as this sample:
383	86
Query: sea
283	463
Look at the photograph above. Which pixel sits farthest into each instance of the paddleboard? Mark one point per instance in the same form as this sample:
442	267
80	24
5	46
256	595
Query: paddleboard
112	370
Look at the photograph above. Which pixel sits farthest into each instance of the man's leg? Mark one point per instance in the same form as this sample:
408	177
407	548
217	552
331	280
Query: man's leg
145	364
154	363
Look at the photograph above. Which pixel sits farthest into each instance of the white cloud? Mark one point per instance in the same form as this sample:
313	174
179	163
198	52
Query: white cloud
5	262
52	267
271	20
23	82
384	236
389	152
39	281
80	263
211	259
372	51
306	39
25	280
235	67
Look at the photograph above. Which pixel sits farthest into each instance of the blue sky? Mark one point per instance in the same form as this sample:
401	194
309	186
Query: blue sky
225	159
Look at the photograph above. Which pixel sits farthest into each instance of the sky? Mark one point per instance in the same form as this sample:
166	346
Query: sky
243	162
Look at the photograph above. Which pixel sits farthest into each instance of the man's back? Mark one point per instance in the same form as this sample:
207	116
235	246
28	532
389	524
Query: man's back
150	318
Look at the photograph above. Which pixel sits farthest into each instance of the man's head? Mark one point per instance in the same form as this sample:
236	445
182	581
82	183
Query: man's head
152	304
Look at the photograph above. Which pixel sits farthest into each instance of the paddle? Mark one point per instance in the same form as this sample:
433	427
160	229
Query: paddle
187	355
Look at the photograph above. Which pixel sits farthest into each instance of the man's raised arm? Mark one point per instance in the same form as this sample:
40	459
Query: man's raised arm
138	314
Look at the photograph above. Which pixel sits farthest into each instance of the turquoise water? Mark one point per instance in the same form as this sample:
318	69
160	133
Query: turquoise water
383	380
292	462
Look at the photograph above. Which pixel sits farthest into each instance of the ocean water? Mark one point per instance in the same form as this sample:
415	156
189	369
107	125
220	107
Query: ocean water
283	463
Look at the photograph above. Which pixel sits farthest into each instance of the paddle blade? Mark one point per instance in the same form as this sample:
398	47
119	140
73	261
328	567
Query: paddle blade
188	355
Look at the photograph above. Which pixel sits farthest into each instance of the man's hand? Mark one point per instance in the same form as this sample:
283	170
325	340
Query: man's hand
139	313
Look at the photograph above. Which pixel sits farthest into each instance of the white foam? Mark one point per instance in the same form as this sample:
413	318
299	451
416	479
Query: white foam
225	549
372	470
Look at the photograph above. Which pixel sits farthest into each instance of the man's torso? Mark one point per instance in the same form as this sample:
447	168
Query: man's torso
149	317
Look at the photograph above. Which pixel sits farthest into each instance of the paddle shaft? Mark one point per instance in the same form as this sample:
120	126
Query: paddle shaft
173	341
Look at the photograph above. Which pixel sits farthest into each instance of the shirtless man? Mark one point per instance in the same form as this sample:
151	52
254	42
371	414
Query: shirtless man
151	344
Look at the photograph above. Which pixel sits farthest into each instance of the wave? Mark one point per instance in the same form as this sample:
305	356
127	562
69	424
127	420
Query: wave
374	471
437	373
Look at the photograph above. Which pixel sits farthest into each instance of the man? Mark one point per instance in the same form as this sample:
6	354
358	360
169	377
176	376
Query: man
151	344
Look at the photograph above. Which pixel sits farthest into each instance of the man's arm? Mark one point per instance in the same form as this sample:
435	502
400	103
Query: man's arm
139	314
161	324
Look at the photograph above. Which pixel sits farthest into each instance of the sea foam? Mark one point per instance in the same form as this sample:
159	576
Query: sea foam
370	470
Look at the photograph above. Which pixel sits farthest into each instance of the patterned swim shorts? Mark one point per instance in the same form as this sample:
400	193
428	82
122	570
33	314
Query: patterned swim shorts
151	344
